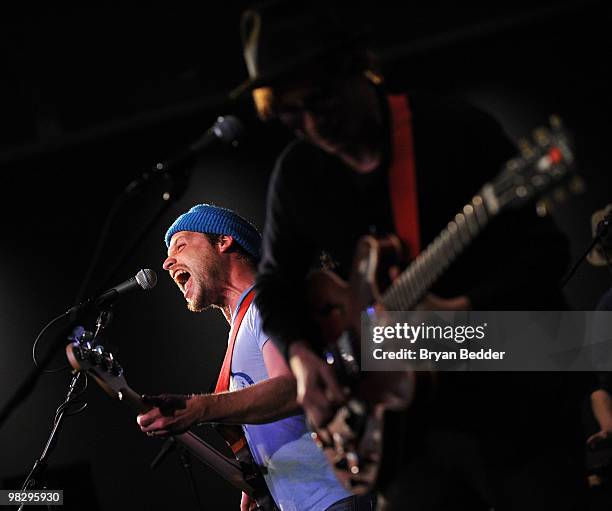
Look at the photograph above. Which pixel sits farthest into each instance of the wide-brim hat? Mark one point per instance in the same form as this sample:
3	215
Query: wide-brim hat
602	252
281	39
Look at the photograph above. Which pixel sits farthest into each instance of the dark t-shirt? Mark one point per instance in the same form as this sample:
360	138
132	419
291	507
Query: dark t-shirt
316	202
604	378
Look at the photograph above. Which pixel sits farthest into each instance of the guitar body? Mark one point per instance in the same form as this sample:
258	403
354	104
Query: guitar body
236	441
377	409
353	440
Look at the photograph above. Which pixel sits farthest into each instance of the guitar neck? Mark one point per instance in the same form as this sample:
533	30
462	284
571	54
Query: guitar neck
412	285
226	467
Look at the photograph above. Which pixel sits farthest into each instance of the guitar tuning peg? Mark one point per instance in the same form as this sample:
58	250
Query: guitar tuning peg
542	136
544	207
577	185
116	369
525	148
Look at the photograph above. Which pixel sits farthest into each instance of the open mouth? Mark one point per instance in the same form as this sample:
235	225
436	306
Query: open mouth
181	278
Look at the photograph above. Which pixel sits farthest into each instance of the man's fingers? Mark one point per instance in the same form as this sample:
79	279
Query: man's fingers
146	419
154	425
319	417
593	440
599	439
245	502
317	407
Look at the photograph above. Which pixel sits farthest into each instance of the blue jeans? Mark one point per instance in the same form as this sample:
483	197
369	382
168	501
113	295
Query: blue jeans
365	502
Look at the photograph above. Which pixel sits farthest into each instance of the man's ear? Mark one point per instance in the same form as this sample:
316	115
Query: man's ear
226	243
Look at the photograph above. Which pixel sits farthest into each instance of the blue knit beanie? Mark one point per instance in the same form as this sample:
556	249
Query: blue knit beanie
209	219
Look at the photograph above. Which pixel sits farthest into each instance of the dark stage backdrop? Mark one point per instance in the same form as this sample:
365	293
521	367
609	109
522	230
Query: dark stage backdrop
92	97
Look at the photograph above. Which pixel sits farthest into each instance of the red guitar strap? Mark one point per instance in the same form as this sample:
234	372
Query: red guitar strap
236	441
402	175
223	380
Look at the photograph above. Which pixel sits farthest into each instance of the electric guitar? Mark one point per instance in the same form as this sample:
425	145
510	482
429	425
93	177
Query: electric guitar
241	472
353	440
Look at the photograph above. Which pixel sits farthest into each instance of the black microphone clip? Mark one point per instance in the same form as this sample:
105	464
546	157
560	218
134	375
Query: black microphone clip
227	129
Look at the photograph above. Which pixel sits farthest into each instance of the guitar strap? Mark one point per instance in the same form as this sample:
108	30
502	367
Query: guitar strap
402	175
223	380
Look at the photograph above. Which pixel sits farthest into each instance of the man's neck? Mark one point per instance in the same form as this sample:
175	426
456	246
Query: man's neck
369	156
241	277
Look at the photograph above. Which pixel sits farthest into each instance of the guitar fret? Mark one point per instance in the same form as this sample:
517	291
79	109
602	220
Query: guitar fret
455	241
410	287
462	228
446	243
480	210
418	274
471	221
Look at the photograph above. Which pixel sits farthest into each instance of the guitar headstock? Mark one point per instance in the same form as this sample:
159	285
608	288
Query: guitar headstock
100	364
543	164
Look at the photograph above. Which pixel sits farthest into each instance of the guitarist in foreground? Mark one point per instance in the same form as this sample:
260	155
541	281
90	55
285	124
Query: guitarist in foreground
212	256
366	162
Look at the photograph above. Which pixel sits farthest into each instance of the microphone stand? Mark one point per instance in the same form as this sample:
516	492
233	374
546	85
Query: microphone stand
177	173
176	188
184	457
27	386
601	232
174	192
185	460
35	476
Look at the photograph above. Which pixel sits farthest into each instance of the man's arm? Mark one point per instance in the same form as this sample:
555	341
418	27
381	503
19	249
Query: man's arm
267	401
602	409
601	403
287	254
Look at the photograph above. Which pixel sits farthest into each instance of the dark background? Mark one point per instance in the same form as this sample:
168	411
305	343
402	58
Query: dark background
90	97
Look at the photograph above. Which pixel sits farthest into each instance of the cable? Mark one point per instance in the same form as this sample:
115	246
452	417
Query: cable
72	401
39	336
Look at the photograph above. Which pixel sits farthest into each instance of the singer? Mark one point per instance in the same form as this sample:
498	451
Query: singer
212	257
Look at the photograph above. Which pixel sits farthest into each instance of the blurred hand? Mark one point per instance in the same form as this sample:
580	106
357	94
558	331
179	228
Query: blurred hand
171	414
600	440
247	503
318	392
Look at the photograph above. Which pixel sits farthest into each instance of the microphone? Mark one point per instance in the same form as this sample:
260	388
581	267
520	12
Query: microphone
227	129
145	279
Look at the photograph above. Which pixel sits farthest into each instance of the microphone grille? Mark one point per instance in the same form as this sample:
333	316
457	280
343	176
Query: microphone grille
147	279
228	128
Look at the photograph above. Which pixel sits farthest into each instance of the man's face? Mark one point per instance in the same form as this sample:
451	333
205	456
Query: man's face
341	116
196	266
